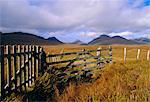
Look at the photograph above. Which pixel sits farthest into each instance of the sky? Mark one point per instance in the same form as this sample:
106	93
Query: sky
71	20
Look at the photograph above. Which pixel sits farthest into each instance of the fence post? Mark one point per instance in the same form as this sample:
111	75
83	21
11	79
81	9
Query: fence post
20	65
8	50
2	91
15	67
25	71
138	54
37	61
34	56
110	53
148	54
43	61
98	53
125	54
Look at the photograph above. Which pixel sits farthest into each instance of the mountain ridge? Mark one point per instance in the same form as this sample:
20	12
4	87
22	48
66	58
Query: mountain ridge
107	40
27	38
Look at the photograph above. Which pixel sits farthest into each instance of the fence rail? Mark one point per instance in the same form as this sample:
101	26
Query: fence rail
98	57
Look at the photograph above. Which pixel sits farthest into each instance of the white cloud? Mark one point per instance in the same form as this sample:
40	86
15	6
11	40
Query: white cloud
89	34
67	16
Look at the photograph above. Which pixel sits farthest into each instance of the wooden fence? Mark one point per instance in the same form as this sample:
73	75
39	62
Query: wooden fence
20	65
138	54
81	59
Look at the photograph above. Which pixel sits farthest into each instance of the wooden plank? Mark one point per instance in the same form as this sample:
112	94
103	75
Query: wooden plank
69	53
34	57
37	61
15	67
74	59
2	93
32	69
24	59
27	46
20	65
8	51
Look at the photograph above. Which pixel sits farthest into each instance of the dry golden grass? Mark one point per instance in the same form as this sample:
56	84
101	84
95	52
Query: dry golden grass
119	81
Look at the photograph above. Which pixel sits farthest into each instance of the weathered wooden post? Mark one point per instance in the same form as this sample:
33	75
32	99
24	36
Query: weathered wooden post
25	68
125	54
37	61
34	56
138	54
15	67
148	54
98	54
43	61
8	51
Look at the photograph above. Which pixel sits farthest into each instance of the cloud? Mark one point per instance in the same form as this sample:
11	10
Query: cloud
85	17
89	34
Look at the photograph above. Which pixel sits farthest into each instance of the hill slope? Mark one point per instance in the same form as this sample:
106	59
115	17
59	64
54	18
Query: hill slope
107	40
26	38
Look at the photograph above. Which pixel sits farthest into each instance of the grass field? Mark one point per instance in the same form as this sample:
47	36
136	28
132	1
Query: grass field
119	81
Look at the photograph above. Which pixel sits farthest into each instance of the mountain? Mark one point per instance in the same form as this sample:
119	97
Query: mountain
142	40
107	40
77	42
26	38
54	40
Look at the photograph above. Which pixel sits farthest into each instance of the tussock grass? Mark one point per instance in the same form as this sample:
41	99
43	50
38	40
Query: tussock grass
119	82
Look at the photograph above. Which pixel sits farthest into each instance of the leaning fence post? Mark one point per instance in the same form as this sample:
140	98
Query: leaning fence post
138	54
148	54
125	54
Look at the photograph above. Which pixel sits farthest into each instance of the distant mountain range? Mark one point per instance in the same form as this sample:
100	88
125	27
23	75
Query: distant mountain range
26	38
143	40
107	40
78	42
